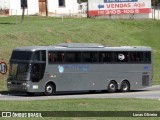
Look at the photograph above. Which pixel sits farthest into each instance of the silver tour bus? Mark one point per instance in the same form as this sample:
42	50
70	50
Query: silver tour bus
79	67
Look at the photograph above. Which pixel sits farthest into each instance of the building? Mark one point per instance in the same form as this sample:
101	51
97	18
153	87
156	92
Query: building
33	7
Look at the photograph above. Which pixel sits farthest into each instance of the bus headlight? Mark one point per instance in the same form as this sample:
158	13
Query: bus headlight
9	82
24	84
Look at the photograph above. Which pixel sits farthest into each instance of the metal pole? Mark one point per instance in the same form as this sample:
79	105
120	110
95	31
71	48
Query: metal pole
46	7
4	79
23	11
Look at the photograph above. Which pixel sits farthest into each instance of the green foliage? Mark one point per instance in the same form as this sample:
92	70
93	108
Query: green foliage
83	0
83	105
155	2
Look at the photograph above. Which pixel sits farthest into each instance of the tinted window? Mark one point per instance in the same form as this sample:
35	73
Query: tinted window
147	56
99	57
73	57
40	55
56	57
136	57
22	55
90	57
105	57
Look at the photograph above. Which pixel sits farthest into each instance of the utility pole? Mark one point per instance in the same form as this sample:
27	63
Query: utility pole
46	1
23	9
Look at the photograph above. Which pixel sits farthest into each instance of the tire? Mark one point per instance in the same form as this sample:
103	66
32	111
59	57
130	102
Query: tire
125	86
49	89
112	87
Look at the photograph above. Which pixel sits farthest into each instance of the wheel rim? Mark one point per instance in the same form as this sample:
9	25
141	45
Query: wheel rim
49	89
112	87
125	87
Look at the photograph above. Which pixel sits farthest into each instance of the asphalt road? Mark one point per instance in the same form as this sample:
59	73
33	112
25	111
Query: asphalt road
147	93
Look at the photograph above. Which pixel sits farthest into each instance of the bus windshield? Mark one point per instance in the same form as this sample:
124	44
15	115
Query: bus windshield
19	69
22	55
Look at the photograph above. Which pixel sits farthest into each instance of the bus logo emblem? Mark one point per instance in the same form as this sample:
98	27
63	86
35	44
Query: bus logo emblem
121	57
61	69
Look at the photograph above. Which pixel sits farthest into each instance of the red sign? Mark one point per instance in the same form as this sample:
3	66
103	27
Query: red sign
118	11
3	68
117	7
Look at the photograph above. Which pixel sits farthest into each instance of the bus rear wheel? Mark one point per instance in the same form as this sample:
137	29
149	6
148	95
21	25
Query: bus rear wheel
49	89
112	87
125	86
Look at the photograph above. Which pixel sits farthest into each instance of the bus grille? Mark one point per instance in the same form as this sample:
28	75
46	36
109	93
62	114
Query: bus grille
145	80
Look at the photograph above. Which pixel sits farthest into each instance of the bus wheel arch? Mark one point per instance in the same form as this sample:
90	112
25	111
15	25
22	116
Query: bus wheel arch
125	86
50	88
112	86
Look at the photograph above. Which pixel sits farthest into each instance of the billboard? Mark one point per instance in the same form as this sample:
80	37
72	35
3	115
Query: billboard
117	7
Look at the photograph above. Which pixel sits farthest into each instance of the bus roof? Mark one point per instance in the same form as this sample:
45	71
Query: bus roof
83	47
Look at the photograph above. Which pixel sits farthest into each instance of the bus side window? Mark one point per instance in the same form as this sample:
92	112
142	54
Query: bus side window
56	57
90	57
37	56
147	56
86	57
60	57
105	57
40	56
133	57
95	57
101	57
109	57
51	57
140	57
73	57
43	55
136	57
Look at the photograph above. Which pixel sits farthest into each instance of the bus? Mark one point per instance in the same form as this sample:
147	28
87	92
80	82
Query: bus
79	67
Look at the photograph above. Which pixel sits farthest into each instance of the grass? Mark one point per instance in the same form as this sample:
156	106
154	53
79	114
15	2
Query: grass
48	31
82	105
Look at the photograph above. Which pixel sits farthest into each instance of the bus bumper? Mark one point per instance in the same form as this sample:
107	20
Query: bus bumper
24	86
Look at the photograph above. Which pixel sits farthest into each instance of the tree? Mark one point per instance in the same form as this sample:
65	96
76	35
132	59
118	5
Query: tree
155	2
82	1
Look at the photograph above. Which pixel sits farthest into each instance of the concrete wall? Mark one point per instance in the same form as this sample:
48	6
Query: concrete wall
71	6
15	7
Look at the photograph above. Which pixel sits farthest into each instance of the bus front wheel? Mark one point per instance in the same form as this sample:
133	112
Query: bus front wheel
49	89
112	87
